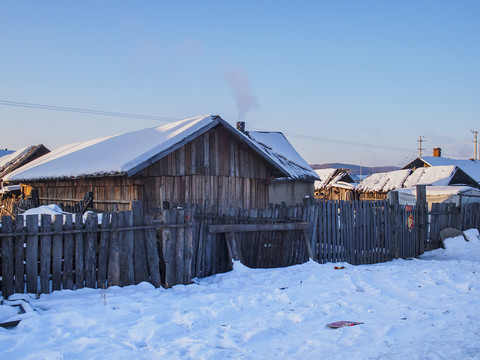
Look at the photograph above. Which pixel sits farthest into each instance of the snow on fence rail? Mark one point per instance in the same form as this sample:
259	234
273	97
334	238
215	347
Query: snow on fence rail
127	248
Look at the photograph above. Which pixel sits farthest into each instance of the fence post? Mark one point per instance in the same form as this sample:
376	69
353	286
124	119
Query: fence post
421	218
45	253
19	255
394	225
57	253
31	263
168	248
139	252
113	271
152	253
7	257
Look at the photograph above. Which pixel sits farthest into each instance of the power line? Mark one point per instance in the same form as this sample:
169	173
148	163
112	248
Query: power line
86	111
169	119
344	142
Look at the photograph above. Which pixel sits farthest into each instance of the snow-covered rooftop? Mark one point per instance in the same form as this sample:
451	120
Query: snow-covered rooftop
332	177
435	176
278	148
471	167
15	159
384	182
9	158
124	154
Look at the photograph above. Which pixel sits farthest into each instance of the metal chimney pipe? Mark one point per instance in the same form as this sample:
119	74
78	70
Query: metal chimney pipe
241	126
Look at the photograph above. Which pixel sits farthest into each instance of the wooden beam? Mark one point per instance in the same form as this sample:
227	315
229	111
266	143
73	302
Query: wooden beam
229	228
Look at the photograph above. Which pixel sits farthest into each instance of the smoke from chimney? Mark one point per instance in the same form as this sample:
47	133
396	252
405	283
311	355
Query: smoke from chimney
244	97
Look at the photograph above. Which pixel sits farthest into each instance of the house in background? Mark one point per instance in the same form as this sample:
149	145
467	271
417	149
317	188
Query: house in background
188	161
335	184
471	167
16	159
299	182
377	186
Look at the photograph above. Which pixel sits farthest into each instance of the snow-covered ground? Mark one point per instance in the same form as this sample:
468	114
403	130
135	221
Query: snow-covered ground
424	308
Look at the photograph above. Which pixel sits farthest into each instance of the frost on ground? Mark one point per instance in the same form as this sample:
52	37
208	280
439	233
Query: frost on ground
424	308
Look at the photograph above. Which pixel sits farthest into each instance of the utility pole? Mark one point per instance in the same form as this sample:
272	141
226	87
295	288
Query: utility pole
475	133
420	149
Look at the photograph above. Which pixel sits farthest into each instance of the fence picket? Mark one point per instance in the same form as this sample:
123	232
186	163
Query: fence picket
113	269
7	257
19	255
31	264
79	253
139	252
68	254
57	253
90	251
103	252
45	253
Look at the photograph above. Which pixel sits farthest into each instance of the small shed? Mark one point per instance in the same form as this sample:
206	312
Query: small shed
334	184
299	182
188	161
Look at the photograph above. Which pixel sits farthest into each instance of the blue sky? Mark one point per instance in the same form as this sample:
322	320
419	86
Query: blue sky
346	81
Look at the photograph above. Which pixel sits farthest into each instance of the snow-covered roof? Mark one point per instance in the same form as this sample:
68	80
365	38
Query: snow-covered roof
435	176
9	158
471	167
344	185
332	177
384	182
278	148
14	160
125	154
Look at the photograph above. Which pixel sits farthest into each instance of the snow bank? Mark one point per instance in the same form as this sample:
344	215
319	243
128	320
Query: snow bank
458	249
54	210
412	309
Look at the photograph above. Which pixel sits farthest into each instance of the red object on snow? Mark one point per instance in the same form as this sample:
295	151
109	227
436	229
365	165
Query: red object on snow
340	324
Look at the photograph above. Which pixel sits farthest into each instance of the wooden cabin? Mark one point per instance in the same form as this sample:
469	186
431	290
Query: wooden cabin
335	184
188	161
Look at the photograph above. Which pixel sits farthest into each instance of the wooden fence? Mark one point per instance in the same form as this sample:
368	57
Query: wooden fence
127	248
446	215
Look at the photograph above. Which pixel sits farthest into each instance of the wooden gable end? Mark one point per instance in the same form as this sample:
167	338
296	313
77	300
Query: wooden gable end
216	167
215	153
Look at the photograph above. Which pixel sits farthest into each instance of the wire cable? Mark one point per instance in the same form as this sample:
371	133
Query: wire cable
170	119
86	111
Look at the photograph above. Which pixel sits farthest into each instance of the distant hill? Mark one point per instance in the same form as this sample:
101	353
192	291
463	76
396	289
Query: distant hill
355	169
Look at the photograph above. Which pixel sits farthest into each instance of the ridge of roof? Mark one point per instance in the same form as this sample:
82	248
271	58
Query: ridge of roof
125	154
